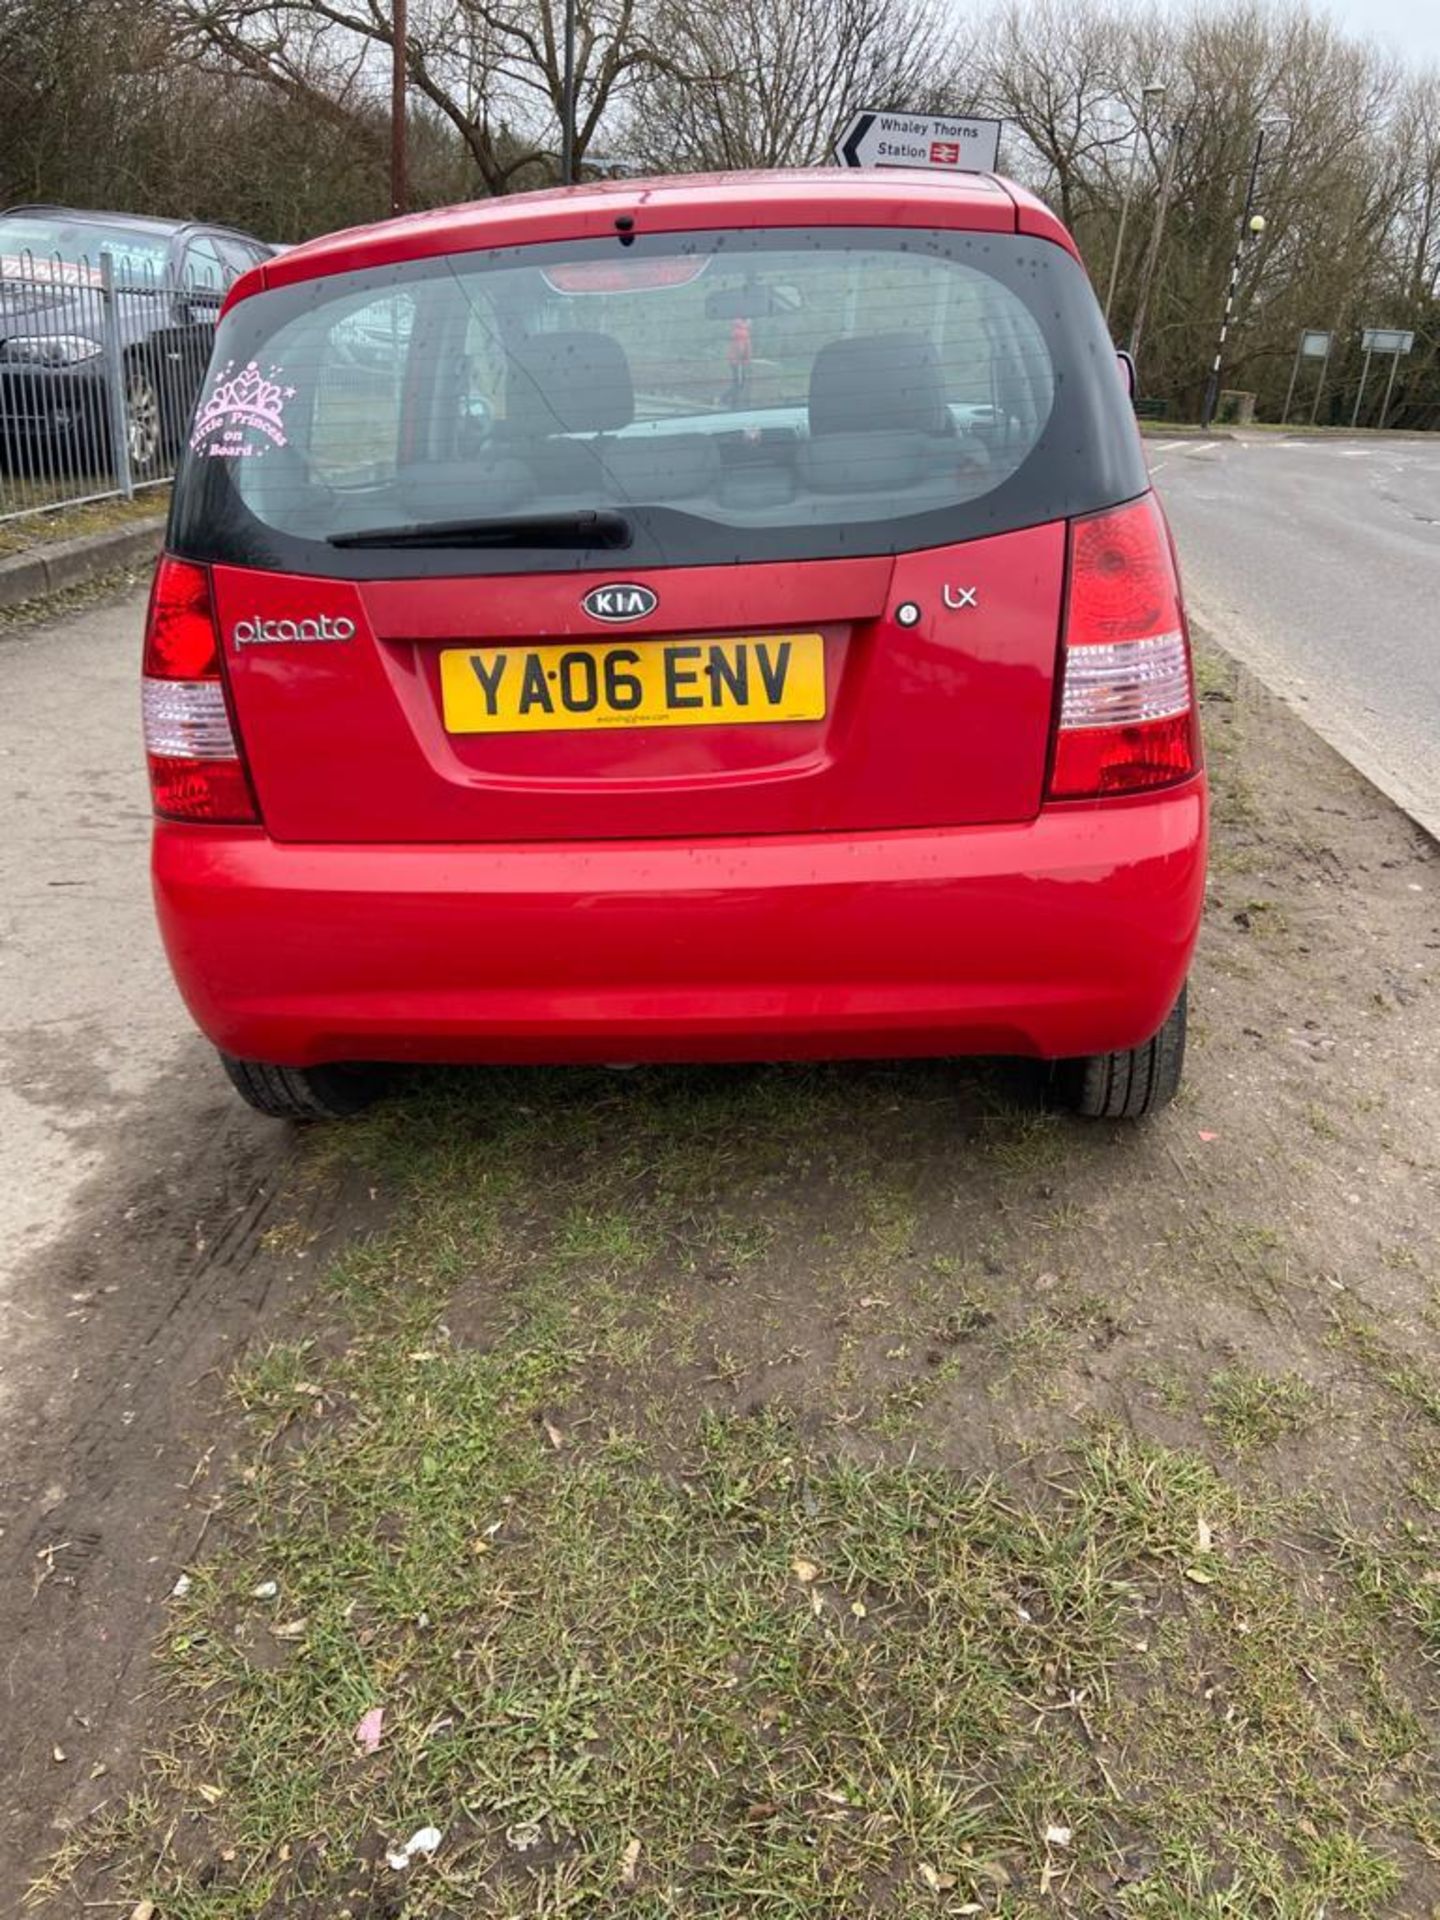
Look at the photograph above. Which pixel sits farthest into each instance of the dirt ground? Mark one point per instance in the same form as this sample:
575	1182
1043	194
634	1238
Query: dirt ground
909	1271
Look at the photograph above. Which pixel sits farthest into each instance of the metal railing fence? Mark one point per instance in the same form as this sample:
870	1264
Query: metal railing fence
101	360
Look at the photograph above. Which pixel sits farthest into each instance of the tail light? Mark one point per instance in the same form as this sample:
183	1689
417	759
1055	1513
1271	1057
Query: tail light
1127	703
196	772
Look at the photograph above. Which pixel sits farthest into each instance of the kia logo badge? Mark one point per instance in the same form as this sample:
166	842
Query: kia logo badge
624	601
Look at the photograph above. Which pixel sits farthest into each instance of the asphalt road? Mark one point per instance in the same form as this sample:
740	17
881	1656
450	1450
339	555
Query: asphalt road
90	1023
1317	563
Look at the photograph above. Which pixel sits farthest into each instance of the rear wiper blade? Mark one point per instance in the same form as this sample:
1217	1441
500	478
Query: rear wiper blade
595	528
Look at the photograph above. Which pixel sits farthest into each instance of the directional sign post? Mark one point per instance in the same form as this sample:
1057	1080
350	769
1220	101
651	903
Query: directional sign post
876	139
1314	345
1391	340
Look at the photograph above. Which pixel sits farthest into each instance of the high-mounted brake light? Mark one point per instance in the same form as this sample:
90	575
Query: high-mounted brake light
196	772
1127	709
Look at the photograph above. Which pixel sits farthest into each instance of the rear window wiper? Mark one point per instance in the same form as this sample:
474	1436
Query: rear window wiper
595	528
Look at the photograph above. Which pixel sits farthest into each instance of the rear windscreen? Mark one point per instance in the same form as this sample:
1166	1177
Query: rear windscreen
691	399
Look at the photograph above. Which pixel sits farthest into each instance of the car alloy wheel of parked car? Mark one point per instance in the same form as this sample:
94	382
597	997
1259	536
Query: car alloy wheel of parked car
144	431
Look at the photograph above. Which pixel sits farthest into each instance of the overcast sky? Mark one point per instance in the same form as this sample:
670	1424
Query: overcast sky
1410	28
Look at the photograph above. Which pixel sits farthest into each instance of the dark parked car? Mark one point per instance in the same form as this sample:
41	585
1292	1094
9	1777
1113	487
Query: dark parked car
169	279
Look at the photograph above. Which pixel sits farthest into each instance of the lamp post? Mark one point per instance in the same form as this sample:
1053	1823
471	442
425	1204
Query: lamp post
1252	225
567	101
399	186
1156	92
1152	251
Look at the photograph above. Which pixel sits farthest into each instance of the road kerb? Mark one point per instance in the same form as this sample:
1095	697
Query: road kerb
73	563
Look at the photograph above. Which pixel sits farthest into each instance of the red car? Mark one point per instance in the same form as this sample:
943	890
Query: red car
530	677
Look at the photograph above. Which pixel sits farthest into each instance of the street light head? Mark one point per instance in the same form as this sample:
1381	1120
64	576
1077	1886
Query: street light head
1257	224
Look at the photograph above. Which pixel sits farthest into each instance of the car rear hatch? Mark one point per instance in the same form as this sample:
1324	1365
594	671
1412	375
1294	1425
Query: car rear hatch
728	533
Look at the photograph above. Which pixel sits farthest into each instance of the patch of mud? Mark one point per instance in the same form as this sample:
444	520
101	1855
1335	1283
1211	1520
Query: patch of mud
120	1334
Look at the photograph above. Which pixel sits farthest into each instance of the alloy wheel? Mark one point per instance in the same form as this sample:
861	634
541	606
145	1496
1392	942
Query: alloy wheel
142	425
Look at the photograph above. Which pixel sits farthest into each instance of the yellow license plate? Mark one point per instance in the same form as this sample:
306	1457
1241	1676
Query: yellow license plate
641	683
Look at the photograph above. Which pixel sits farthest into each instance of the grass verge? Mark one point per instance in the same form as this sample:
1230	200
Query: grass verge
44	525
643	1654
847	1491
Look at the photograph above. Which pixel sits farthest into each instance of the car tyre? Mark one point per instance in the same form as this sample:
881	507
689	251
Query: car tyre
304	1093
1131	1084
144	424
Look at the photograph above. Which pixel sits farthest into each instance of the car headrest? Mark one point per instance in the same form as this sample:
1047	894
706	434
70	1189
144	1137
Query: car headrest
568	383
878	381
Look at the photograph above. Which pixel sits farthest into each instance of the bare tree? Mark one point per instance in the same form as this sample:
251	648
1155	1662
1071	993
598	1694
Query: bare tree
1416	138
1054	72
1347	183
758	85
492	69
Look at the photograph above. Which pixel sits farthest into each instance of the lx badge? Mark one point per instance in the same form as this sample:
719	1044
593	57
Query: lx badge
957	597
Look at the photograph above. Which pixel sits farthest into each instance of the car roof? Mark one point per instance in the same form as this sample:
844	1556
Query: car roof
819	196
143	222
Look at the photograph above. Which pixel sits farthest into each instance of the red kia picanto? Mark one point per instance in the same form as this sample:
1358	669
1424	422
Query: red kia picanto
722	618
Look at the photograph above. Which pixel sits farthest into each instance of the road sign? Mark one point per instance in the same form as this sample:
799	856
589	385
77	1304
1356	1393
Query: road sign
1386	340
1392	340
876	139
1314	344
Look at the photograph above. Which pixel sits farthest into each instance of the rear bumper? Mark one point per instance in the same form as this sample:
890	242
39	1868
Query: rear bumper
1069	934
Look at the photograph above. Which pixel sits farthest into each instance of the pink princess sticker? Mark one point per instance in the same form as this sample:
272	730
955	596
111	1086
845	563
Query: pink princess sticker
243	415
